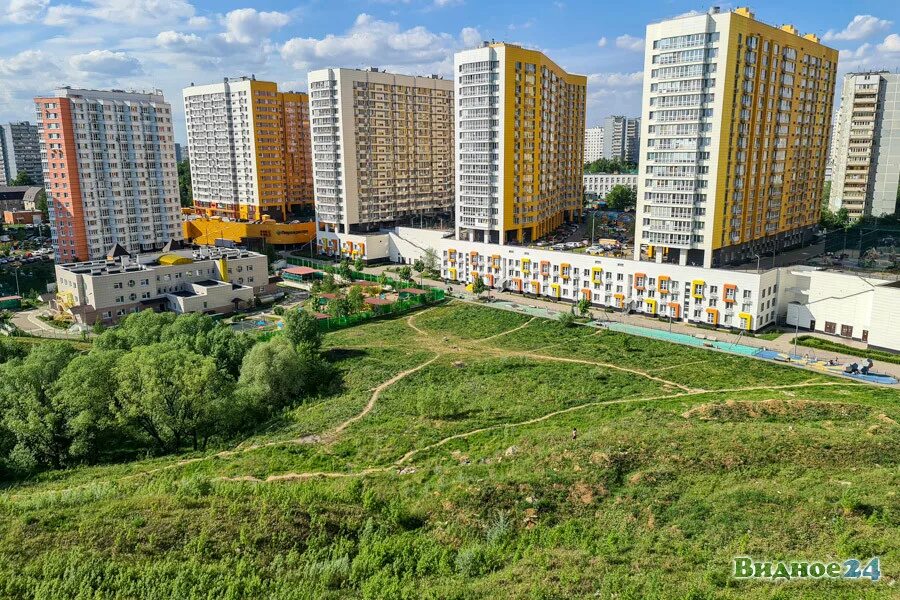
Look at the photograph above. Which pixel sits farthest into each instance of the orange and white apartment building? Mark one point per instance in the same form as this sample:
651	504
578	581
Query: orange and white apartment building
109	171
249	149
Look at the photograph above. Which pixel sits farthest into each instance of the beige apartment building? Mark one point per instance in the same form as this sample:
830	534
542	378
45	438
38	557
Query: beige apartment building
382	149
866	149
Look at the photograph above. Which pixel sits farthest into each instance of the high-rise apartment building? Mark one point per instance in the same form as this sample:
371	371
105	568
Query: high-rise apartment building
866	149
621	138
735	134
519	144
248	146
20	150
593	144
382	148
109	171
179	156
298	179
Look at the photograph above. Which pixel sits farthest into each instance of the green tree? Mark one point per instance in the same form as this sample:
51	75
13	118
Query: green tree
621	197
359	264
137	329
605	165
173	396
270	377
831	220
328	285
37	423
40	203
11	349
405	273
302	329
431	260
344	270
419	266
566	319
356	300
338	307
478	287
584	305
22	178
185	189
84	395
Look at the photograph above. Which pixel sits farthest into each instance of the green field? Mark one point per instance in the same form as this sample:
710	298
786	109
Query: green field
444	466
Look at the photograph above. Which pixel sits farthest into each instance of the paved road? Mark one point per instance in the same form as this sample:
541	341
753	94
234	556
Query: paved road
28	321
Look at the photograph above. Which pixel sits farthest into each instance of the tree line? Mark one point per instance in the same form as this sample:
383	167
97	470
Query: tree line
157	383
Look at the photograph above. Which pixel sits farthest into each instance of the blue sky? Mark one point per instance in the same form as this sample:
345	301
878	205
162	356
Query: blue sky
167	44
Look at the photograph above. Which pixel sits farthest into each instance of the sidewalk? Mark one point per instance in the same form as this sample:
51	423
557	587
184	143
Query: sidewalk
783	344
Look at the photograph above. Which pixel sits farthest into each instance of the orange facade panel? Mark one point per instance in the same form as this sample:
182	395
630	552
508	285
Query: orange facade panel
62	177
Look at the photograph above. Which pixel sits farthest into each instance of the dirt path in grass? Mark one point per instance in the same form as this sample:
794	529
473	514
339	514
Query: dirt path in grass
397	467
374	398
508	331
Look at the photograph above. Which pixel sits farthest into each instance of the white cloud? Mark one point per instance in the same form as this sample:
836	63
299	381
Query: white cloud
247	25
26	63
860	52
891	44
601	43
631	43
199	22
860	28
175	40
690	13
470	37
615	80
106	62
370	41
25	11
446	3
130	12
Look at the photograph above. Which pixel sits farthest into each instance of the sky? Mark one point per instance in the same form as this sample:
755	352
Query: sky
168	44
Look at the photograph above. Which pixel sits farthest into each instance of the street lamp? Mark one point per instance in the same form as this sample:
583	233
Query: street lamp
758	258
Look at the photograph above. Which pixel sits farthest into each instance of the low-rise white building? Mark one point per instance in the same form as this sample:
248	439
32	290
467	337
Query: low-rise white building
832	302
599	185
207	280
845	305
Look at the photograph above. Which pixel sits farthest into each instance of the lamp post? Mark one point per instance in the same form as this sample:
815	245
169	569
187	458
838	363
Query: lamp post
758	258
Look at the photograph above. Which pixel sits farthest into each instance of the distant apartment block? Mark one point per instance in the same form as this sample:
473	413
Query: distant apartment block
519	144
598	185
382	148
20	150
248	145
593	144
735	137
109	171
621	138
866	172
209	281
179	155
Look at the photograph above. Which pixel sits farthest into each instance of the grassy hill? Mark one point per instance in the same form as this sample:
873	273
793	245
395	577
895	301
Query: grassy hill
446	468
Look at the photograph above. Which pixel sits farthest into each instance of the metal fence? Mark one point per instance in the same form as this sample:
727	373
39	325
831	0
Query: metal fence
860	240
432	295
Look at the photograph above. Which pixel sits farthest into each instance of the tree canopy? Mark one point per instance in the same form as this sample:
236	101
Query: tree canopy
22	178
621	197
156	383
605	165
